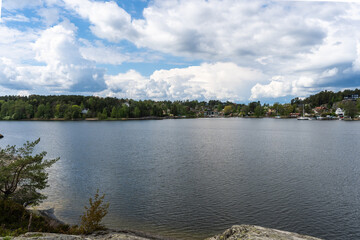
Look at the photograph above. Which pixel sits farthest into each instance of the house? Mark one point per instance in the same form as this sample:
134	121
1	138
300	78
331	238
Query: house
352	97
211	113
319	110
339	112
85	111
270	112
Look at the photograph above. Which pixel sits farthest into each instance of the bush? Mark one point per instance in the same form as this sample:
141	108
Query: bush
91	220
14	220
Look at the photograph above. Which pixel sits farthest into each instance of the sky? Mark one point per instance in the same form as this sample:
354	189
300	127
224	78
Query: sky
228	50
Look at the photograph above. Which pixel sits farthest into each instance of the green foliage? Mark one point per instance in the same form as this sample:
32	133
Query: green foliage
94	213
259	111
228	109
22	174
14	220
350	109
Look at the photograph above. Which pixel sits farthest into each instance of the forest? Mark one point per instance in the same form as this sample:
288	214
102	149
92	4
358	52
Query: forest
73	107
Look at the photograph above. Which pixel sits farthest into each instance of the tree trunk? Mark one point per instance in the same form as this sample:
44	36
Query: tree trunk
30	221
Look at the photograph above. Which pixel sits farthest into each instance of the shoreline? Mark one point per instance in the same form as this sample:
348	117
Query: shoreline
162	118
244	232
236	232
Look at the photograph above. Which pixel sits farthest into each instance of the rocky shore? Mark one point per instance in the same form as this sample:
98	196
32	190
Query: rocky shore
237	232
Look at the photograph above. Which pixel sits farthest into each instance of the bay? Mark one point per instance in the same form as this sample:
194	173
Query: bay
194	178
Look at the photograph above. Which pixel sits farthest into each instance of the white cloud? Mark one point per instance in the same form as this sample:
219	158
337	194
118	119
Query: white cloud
308	42
16	18
224	81
20	4
63	69
210	30
104	55
15	44
329	73
49	15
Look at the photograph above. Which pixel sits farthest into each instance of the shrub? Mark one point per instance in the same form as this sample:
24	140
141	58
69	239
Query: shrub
93	215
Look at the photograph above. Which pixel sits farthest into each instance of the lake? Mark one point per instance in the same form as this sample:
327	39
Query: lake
193	178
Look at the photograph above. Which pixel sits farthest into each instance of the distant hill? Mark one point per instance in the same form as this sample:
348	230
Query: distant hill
326	97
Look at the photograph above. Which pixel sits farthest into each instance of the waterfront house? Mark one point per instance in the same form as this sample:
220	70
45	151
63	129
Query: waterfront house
85	111
319	110
211	113
339	112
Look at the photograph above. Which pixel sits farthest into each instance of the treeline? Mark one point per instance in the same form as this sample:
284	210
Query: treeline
326	98
77	107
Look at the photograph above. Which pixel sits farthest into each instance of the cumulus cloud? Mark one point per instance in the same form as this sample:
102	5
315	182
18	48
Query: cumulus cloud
310	43
104	55
208	29
63	69
248	49
49	15
222	80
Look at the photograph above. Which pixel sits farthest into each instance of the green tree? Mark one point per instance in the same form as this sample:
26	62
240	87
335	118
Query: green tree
228	109
350	109
124	111
22	174
136	112
40	111
259	111
114	112
75	111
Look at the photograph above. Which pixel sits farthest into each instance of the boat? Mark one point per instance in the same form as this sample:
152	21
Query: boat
277	117
303	116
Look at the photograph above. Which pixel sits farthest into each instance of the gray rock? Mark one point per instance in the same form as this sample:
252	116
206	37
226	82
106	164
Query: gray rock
247	232
237	232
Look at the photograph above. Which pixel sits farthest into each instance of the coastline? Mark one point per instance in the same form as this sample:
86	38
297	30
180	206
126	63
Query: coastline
236	232
165	118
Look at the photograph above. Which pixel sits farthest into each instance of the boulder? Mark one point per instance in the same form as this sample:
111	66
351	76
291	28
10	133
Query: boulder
247	232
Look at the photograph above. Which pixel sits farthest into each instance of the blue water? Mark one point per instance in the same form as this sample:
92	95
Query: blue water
193	178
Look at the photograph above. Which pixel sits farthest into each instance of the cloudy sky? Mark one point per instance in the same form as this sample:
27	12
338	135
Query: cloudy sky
237	50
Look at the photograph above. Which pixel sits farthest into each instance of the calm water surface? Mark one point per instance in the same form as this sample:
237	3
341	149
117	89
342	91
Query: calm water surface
195	178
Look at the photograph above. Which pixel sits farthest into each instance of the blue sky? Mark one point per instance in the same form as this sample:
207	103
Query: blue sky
232	50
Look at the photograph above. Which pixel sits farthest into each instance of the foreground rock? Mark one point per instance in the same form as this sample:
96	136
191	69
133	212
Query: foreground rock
247	232
237	232
120	235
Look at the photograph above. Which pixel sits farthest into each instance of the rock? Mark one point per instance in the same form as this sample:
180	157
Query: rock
48	215
247	232
1	136
237	232
56	236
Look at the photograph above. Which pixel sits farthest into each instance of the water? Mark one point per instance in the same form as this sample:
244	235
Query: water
191	179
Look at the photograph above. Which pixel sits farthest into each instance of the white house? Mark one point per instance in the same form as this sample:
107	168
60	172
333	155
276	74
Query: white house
339	112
